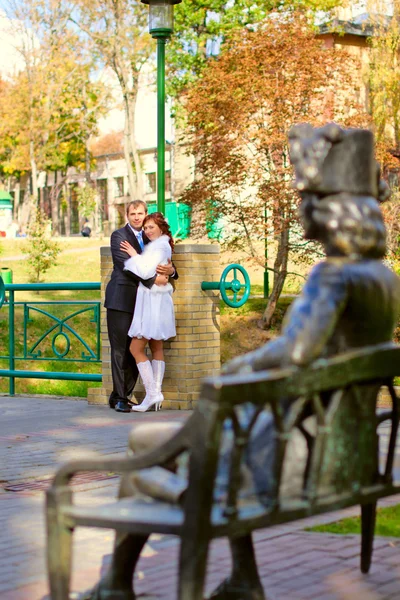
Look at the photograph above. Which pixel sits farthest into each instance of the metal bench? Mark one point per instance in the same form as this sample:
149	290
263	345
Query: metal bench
342	467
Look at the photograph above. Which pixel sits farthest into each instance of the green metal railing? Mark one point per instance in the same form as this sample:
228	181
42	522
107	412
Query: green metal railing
60	331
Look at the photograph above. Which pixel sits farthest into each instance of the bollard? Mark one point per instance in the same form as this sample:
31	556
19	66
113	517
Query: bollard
6	275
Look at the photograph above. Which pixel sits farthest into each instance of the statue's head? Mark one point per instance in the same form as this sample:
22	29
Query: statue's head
346	225
339	183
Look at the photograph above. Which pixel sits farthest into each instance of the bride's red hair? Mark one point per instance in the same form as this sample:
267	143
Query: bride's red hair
160	220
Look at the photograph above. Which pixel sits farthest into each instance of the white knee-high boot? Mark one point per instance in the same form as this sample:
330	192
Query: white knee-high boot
158	373
151	397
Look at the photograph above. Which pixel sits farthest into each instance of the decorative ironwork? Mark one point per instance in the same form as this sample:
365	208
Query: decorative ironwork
60	328
59	340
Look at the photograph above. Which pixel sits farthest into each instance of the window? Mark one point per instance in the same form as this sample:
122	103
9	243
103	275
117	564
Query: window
118	187
151	183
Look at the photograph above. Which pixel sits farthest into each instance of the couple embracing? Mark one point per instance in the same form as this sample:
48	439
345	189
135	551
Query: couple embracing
139	306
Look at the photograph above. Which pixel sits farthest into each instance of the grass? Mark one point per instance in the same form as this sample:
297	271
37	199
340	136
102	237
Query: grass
387	524
16	247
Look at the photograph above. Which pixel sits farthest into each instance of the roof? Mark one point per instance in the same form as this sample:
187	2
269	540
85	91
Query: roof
361	25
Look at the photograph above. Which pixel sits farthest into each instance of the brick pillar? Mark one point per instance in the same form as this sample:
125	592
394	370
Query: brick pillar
195	351
100	395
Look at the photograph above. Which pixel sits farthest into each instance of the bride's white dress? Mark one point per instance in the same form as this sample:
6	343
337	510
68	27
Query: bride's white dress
154	316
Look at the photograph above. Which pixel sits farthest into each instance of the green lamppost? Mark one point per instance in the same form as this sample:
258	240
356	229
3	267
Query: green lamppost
161	26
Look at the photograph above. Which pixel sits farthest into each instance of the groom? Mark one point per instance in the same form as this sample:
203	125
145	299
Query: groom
120	304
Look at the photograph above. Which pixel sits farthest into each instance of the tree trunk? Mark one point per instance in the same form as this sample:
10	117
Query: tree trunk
54	196
33	172
130	148
17	201
128	161
280	272
67	217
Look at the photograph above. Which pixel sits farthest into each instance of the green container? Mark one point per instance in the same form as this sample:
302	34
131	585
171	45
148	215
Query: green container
6	275
214	223
184	220
178	217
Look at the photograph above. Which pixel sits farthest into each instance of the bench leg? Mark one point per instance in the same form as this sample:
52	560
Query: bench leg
117	583
192	570
244	582
368	517
59	555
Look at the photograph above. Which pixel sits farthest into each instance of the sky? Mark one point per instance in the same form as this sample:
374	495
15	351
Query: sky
146	114
10	59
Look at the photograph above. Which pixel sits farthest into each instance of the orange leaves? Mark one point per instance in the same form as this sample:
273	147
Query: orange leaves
263	82
240	111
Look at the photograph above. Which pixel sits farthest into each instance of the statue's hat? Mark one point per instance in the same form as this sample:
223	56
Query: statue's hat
331	160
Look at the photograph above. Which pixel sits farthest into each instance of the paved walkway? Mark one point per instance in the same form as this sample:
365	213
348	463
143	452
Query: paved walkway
38	434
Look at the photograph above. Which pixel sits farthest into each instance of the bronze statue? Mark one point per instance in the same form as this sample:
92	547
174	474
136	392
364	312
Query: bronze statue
350	300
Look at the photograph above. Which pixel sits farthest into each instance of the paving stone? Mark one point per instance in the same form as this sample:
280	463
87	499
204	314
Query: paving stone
294	564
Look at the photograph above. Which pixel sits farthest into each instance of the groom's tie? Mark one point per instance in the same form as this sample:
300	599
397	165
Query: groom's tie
140	239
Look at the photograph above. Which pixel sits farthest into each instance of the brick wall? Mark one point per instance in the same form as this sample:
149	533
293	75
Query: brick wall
195	351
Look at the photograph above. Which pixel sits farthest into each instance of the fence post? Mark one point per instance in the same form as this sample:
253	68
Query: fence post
11	340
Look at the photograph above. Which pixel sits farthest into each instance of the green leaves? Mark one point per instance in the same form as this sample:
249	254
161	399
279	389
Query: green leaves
41	249
203	26
86	196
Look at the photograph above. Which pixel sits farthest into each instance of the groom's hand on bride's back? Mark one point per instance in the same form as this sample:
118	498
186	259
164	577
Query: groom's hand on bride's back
161	279
166	270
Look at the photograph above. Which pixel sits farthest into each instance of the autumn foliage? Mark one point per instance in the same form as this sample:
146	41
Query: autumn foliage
239	113
109	143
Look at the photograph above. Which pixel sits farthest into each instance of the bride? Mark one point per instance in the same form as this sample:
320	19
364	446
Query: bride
154	318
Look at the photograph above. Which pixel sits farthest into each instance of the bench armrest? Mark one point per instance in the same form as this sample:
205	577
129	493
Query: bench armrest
157	457
364	365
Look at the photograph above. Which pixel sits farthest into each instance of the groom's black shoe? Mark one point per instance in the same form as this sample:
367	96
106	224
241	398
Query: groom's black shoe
112	400
122	406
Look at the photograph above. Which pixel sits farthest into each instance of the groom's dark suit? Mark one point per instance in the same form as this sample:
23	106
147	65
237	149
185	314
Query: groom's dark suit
120	304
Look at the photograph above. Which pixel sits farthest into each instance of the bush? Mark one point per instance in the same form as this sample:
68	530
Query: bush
86	196
41	249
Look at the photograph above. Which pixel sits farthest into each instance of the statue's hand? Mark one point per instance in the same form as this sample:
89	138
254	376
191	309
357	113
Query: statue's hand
272	355
240	364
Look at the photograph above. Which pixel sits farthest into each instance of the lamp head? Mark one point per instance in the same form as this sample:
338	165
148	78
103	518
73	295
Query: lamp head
161	16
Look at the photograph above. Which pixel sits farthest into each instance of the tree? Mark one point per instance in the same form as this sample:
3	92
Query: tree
382	78
202	26
110	143
117	34
87	200
41	249
240	112
50	107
